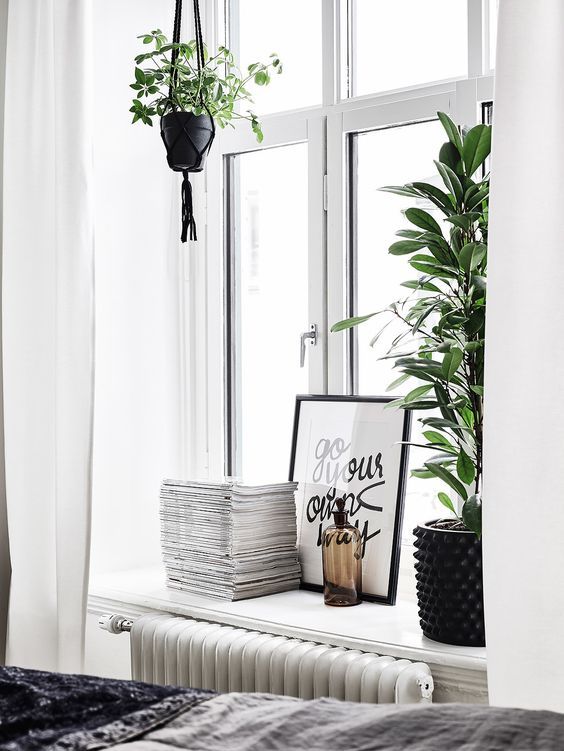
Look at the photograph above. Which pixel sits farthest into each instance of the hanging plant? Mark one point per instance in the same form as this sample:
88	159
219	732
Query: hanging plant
192	92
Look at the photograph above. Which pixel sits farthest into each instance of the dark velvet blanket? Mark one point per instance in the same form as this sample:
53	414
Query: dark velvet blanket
40	711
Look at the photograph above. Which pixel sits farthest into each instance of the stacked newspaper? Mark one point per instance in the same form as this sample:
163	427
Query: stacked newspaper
229	540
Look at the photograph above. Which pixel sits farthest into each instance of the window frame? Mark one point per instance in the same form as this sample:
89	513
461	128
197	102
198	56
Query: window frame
207	345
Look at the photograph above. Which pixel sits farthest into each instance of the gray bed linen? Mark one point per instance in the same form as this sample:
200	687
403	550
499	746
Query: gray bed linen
259	722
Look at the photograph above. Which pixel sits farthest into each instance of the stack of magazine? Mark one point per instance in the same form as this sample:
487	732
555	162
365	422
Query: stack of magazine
229	540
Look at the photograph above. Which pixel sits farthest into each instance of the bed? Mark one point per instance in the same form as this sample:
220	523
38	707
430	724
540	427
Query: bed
40	711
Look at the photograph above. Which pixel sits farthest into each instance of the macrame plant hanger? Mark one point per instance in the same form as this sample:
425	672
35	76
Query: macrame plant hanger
187	137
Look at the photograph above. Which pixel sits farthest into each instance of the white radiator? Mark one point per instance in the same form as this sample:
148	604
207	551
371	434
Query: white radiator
186	652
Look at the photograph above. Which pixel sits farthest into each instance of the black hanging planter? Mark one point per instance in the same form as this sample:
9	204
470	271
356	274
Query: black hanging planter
449	585
187	137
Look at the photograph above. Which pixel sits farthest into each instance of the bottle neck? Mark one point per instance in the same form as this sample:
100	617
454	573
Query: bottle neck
340	518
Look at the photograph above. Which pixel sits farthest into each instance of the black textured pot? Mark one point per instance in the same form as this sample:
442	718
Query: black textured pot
449	585
187	138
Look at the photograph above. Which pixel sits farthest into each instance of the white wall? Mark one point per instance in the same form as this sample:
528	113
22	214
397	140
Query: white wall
137	412
106	654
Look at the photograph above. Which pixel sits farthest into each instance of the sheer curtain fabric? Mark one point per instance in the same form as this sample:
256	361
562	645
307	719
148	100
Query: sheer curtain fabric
524	417
48	328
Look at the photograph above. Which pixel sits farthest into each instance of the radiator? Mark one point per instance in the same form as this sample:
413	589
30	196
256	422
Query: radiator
186	652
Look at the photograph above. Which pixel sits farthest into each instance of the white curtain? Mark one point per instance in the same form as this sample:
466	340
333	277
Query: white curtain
524	417
47	299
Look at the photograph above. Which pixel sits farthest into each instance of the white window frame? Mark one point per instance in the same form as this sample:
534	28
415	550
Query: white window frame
325	129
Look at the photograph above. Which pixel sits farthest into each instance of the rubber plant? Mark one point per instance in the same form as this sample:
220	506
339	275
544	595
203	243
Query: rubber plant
440	348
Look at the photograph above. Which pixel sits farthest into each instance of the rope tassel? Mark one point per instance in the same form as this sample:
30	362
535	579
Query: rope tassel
188	221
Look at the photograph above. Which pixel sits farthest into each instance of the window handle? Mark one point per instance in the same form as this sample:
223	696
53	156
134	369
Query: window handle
307	336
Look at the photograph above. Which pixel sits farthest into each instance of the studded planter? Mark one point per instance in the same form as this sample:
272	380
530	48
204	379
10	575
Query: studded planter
449	585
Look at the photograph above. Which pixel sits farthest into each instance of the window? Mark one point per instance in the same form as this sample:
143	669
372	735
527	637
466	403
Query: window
269	306
291	29
398	43
304	229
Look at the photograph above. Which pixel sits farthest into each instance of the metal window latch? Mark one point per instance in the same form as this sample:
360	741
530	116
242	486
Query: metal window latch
307	336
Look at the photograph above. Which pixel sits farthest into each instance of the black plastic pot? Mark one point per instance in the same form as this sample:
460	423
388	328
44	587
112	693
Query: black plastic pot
449	585
187	138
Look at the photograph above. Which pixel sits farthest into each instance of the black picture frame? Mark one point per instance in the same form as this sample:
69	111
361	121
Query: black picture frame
403	419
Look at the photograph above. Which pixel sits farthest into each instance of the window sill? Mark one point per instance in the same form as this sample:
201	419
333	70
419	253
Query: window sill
459	672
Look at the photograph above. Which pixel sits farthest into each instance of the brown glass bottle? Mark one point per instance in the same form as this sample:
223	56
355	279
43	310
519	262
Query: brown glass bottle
341	546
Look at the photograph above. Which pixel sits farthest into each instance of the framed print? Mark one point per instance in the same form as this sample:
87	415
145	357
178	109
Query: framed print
351	447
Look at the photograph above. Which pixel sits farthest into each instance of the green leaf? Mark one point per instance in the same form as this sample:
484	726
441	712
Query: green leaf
400	190
139	76
465	468
443	474
477	198
423	404
436	195
451	363
476	147
471	255
451	180
348	323
422	474
475	322
403	247
425	314
472	515
464	221
402	379
477	390
445	500
433	437
416	393
473	346
439	422
423	219
451	131
261	78
450	156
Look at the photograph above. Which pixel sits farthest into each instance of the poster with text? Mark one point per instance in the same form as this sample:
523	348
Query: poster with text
352	448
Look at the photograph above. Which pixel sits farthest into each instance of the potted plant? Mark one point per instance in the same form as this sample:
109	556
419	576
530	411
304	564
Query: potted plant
192	92
440	349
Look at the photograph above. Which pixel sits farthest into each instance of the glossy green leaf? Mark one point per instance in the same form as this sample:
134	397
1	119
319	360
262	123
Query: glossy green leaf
423	219
433	437
476	147
465	468
471	255
447	477
398	381
404	247
472	515
416	393
445	500
451	362
450	156
348	323
436	195
450	179
451	130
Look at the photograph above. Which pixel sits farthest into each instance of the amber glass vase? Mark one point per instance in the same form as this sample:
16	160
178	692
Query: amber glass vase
342	561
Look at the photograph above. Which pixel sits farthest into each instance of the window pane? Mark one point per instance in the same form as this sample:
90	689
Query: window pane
392	156
271	299
291	29
406	43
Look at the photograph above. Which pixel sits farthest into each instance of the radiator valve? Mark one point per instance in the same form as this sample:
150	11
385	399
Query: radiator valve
115	624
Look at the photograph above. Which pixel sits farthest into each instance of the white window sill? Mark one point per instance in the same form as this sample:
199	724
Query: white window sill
459	672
